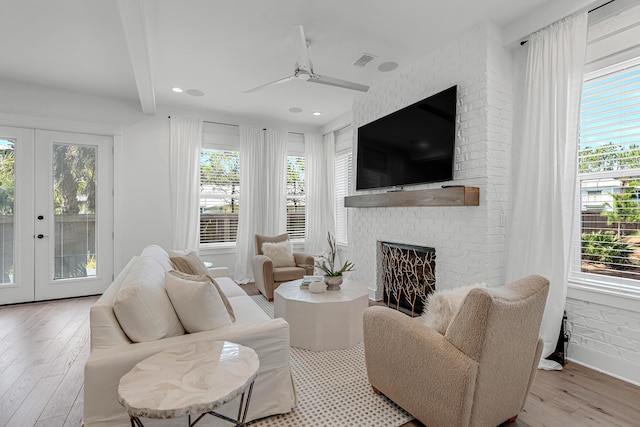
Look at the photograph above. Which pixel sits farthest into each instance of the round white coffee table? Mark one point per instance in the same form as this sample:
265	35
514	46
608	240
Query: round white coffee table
194	379
328	321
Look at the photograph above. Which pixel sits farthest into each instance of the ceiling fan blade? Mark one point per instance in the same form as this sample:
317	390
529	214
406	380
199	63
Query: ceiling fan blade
266	85
317	78
303	47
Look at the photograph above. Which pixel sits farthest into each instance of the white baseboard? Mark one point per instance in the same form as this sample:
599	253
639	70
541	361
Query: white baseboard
606	363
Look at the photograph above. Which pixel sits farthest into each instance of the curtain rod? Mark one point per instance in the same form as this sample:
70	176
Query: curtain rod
231	124
523	42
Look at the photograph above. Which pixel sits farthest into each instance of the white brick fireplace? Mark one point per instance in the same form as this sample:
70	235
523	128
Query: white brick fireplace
469	241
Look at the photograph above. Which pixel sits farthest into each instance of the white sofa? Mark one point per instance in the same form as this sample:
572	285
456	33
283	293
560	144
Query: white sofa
113	354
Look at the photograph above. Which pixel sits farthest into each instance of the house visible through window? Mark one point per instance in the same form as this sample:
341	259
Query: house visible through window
295	197
219	195
609	177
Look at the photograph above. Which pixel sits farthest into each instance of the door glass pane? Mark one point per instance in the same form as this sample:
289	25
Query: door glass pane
74	207
7	191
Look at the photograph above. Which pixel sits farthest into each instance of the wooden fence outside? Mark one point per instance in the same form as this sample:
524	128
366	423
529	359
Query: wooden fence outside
74	238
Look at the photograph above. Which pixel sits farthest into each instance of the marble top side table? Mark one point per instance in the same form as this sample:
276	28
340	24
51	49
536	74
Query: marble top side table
194	379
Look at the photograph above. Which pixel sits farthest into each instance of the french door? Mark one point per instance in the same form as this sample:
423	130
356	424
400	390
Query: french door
56	214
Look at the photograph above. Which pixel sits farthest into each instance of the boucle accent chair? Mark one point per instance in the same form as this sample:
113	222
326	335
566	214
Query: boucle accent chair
477	374
269	275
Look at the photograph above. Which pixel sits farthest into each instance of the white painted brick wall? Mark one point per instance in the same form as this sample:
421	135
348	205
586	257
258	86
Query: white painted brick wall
610	330
469	241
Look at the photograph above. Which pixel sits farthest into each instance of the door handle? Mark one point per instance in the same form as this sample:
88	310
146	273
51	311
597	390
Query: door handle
41	236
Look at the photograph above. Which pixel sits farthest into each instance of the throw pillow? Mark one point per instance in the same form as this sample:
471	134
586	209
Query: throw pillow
142	305
192	264
441	306
281	253
196	301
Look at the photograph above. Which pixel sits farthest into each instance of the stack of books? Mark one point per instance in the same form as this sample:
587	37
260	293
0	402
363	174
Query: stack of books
308	279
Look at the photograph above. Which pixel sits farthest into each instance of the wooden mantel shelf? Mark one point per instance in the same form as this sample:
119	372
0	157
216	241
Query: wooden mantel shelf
445	196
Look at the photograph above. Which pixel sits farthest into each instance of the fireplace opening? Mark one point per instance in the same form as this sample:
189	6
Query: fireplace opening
408	276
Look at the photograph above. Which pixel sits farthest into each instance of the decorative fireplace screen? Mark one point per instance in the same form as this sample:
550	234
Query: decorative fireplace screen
408	276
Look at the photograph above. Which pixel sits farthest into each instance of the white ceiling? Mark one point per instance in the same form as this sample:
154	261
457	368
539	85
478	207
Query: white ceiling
224	47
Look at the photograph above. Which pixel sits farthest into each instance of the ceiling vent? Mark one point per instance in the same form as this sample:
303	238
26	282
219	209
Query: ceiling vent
364	60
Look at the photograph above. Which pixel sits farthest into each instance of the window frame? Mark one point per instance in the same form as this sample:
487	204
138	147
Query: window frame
614	285
220	137
343	149
295	147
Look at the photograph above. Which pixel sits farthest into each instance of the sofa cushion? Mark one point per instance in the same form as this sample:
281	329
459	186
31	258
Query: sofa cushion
247	311
159	254
280	253
286	274
196	301
142	306
191	263
441	306
229	288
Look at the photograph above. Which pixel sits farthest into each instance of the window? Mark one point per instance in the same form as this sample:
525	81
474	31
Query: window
220	164
342	183
609	177
342	180
219	195
295	197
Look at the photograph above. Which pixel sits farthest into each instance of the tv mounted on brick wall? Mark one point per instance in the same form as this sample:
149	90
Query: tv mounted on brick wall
414	145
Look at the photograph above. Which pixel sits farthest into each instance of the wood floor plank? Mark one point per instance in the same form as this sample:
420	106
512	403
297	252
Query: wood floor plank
17	393
67	391
53	422
28	412
21	342
76	414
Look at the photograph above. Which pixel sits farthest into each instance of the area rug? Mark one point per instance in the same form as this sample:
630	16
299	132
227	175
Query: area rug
333	390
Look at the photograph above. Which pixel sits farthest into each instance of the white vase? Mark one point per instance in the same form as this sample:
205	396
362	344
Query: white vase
317	287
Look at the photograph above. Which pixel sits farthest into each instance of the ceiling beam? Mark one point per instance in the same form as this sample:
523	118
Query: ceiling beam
135	32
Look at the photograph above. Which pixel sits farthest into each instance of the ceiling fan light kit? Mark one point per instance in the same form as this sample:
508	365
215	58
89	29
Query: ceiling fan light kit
304	71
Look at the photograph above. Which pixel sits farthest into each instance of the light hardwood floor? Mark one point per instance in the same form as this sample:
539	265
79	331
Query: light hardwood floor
43	348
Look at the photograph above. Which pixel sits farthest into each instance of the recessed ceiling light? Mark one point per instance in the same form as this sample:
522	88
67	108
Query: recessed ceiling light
177	89
295	110
387	66
195	92
317	113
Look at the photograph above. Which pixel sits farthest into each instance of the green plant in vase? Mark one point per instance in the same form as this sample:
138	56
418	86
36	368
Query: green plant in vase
327	263
91	265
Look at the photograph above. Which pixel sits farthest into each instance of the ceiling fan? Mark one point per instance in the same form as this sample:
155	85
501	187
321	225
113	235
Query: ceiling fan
304	70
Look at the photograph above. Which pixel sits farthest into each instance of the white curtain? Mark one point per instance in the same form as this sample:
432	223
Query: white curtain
274	182
184	165
544	189
319	157
263	167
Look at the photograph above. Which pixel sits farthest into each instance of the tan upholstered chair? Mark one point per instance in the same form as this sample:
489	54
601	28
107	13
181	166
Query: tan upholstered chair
477	374
267	276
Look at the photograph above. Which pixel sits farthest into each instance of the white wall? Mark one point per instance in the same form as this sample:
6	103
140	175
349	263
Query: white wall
469	241
141	165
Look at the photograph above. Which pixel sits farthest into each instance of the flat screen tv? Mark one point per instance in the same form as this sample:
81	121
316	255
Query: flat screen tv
414	145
